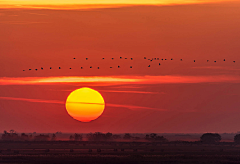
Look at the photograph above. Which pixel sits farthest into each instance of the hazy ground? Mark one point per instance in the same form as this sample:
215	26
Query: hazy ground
117	152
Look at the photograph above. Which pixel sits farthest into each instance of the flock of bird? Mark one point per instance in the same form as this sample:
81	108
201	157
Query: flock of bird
130	59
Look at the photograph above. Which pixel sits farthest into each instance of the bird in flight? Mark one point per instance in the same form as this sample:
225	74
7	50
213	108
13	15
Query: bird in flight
193	60
59	67
41	68
50	67
149	66
159	64
86	58
74	58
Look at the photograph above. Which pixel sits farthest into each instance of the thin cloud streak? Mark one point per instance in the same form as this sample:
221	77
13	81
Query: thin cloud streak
33	100
131	107
141	92
94	4
117	80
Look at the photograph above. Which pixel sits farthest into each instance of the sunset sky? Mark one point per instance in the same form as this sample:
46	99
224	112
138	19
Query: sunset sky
175	97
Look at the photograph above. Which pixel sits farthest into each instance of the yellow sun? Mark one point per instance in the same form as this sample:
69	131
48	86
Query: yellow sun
85	104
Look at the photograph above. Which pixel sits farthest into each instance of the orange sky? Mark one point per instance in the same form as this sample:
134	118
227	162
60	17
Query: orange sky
177	96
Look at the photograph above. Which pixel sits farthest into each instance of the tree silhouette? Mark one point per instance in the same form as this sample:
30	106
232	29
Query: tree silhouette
210	138
127	136
237	138
54	137
77	137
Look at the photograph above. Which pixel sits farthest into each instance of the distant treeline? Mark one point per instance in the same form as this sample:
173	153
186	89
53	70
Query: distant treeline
208	138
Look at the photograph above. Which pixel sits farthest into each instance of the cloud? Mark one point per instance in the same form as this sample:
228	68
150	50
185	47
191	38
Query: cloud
141	92
119	80
33	100
131	107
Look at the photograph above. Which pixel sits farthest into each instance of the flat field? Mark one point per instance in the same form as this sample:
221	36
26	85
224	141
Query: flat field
90	152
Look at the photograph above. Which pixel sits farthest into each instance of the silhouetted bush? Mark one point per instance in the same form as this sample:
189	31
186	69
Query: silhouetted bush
127	136
237	138
210	138
155	137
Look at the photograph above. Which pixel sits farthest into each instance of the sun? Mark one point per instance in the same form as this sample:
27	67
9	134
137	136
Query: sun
85	104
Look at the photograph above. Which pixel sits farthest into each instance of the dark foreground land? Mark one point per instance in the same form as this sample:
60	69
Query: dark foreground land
88	152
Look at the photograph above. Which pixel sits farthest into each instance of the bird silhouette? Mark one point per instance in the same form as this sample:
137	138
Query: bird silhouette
215	61
102	58
97	67
165	59
171	58
36	69
81	67
150	60
74	58
70	68
145	58
131	58
30	69
149	66
23	70
125	58
86	58
110	67
194	60
157	58
234	61
59	67
112	58
207	60
180	59
159	64
118	66
50	67
162	59
224	60
120	57
90	66
41	68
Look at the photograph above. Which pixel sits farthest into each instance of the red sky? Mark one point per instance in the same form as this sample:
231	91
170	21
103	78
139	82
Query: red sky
178	96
